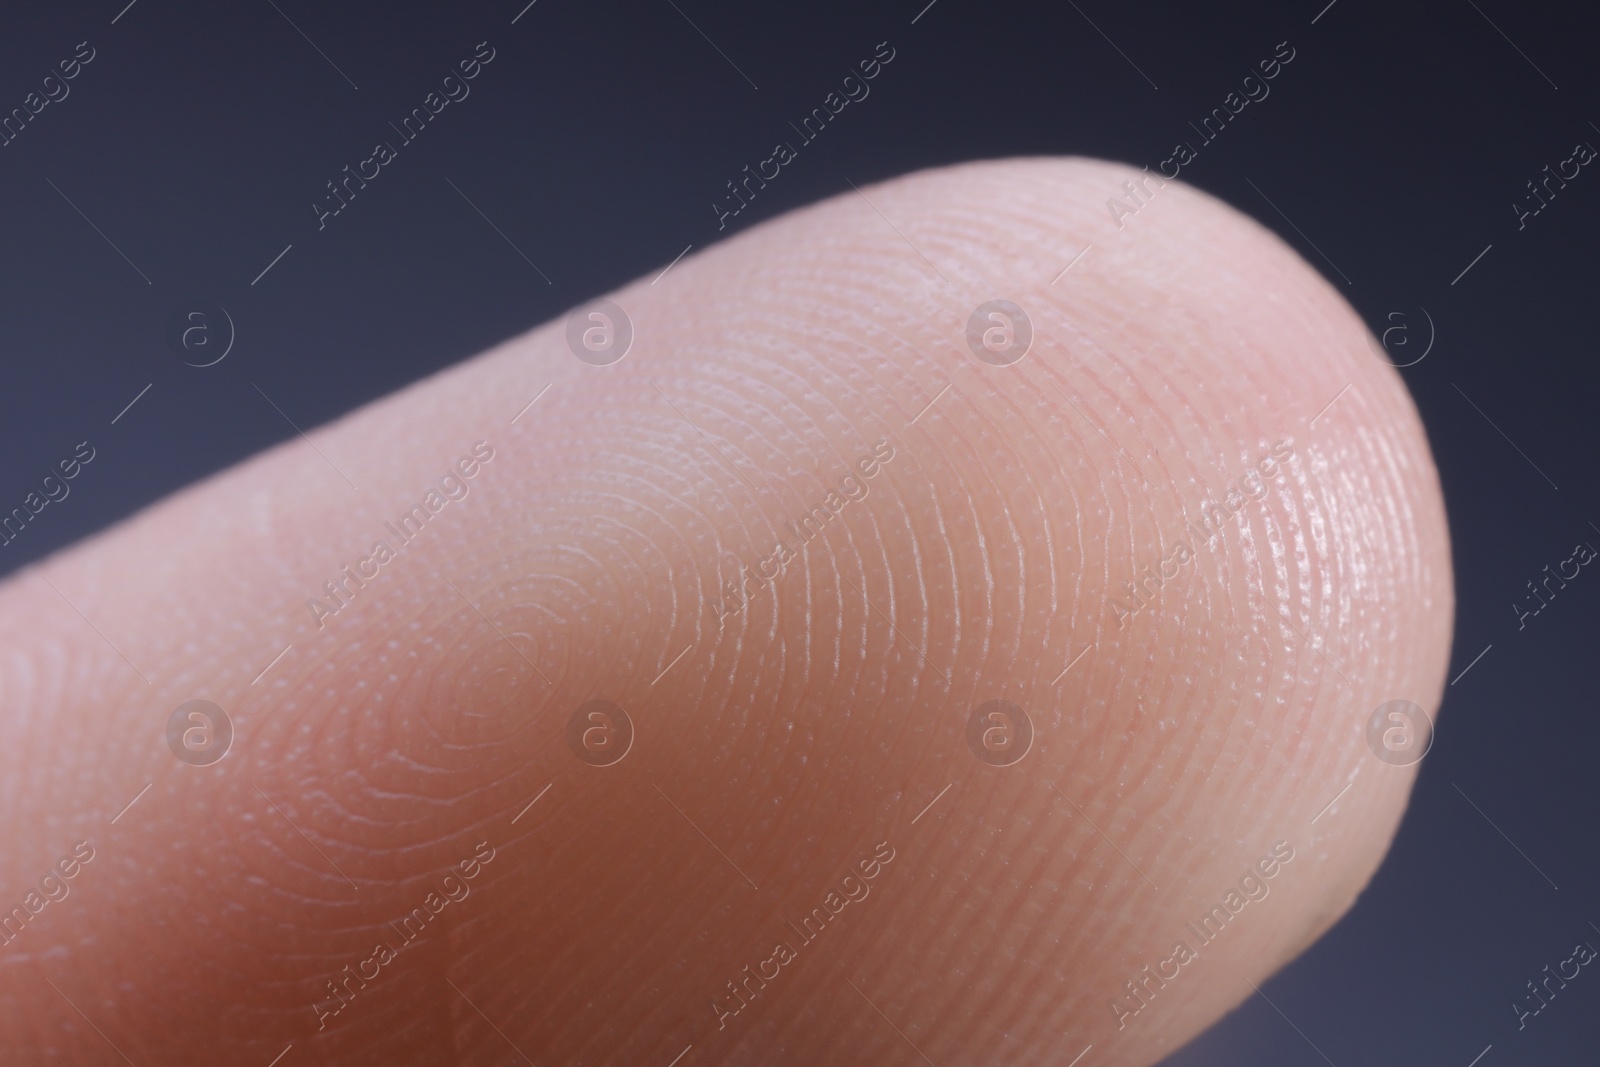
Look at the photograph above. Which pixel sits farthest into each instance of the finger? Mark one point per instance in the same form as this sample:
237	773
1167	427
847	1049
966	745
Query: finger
800	538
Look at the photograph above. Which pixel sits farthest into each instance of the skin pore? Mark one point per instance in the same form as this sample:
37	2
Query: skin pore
781	752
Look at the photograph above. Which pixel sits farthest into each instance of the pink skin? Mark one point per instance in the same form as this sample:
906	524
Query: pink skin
788	742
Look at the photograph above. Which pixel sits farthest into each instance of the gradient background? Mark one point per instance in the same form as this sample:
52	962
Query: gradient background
598	139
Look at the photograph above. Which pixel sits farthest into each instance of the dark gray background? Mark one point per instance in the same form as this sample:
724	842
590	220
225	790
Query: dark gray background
599	137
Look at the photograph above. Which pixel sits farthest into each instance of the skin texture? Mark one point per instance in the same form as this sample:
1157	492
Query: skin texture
791	741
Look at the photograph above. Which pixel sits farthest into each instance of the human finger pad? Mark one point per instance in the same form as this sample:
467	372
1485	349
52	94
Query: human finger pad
806	534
